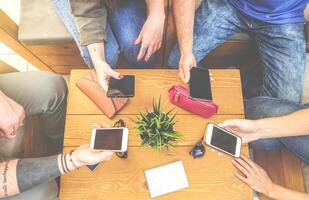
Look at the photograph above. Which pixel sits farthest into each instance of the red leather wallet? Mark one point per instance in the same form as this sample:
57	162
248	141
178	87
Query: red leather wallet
179	96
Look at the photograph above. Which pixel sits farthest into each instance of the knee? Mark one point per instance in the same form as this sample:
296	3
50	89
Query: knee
50	92
263	107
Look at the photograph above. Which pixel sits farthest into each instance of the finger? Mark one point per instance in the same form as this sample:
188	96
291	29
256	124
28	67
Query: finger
240	177
240	168
244	164
142	52
150	51
139	39
233	123
106	155
250	162
112	73
186	75
19	113
95	125
103	85
106	126
181	74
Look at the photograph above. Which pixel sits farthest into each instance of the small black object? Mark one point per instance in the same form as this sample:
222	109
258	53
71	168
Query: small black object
120	88
198	150
123	155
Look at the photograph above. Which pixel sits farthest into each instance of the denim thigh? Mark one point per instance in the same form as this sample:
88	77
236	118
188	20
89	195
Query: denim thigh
263	107
127	19
282	51
111	46
215	21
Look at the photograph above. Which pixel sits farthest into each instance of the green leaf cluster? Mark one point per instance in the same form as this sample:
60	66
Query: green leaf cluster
156	128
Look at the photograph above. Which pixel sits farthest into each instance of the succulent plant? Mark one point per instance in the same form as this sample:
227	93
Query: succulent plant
156	128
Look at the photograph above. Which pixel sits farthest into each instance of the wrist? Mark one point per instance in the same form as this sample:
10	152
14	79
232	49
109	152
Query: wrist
262	129
272	191
75	161
157	17
186	51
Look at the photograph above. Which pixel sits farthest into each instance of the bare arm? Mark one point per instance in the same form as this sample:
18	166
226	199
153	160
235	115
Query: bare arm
294	124
281	193
184	20
256	178
103	70
151	34
20	175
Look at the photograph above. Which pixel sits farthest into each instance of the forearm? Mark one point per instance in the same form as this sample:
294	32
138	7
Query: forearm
281	193
294	124
156	8
20	175
97	53
184	20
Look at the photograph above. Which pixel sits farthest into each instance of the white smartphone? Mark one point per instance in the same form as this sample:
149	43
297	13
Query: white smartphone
112	139
223	140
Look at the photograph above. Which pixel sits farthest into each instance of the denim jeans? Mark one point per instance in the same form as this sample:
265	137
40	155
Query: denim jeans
281	47
123	26
263	107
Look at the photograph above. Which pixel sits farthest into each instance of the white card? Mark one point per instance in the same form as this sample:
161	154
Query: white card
167	178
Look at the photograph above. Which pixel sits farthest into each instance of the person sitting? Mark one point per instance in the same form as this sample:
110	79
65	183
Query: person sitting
271	123
104	29
276	27
43	94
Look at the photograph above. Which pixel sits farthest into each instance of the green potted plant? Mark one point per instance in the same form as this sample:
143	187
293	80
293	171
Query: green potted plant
156	128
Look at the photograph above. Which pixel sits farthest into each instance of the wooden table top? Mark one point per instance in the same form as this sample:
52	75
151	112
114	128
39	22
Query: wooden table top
210	177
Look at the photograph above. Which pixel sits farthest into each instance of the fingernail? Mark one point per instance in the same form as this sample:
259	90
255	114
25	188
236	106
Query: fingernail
134	42
120	76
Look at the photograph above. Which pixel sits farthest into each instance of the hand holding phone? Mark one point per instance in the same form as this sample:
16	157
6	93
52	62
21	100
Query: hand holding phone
223	140
199	84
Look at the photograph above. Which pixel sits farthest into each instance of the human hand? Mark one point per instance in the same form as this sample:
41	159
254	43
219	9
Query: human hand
104	72
84	155
12	116
150	37
246	129
253	175
186	63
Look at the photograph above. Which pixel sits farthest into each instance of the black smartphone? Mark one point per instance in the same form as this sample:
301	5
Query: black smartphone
124	87
199	84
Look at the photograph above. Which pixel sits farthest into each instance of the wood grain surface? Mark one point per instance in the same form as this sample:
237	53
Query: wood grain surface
210	177
149	84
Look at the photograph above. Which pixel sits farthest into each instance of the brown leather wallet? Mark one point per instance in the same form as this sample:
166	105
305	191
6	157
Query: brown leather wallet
90	87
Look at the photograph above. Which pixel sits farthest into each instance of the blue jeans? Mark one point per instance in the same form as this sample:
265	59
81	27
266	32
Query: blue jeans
123	26
281	47
263	107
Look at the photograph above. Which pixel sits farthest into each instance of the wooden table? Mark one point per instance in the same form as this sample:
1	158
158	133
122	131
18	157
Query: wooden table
210	177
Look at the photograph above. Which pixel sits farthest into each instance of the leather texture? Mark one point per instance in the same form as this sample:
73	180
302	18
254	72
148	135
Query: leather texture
179	96
90	87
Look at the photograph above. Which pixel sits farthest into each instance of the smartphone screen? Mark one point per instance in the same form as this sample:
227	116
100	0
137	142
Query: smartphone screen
223	140
108	139
200	84
124	87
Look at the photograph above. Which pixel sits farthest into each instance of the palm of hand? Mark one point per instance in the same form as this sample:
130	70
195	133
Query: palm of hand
84	155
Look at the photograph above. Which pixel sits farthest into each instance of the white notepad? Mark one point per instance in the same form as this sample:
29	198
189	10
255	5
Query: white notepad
167	178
